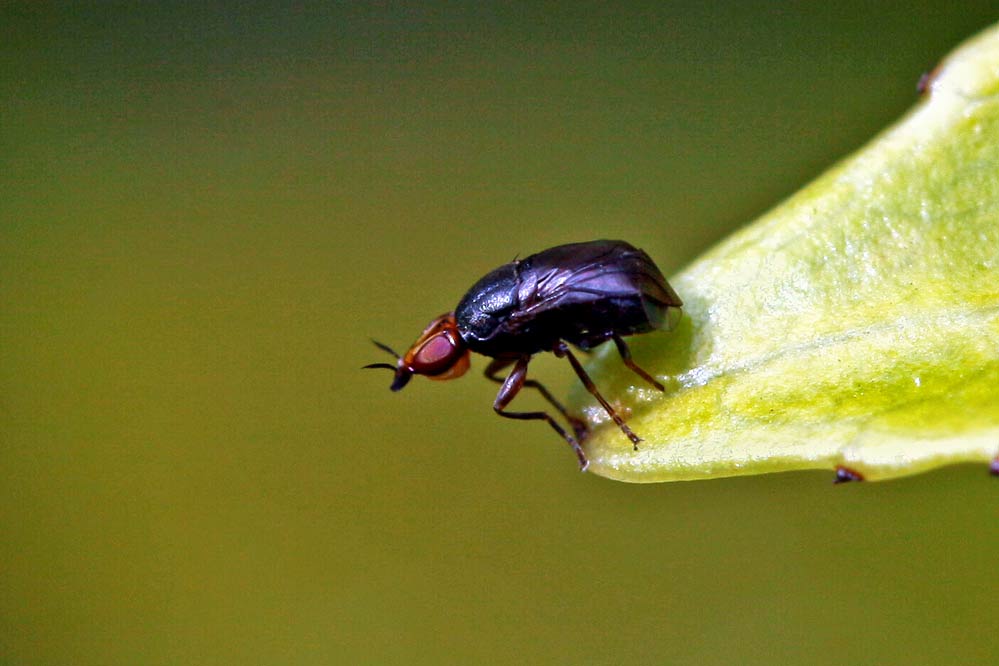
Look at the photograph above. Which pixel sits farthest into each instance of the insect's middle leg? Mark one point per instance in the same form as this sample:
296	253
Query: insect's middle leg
562	349
511	387
578	425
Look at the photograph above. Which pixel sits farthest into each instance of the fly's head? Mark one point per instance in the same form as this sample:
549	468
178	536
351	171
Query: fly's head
439	353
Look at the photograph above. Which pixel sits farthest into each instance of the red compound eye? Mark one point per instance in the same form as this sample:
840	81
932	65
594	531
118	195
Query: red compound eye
435	354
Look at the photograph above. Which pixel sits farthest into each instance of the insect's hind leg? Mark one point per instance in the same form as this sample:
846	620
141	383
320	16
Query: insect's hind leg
579	426
625	353
515	381
562	349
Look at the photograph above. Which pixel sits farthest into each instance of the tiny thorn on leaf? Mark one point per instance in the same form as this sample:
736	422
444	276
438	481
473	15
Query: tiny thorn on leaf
845	474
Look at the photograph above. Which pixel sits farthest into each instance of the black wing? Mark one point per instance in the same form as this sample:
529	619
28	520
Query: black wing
583	272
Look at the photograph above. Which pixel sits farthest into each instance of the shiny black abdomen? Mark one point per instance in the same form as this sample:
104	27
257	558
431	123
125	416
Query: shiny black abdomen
582	293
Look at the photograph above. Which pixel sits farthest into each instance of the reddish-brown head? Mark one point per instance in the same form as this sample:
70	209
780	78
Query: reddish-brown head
439	353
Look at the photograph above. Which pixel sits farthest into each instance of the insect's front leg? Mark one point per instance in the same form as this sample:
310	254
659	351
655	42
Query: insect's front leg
511	387
579	426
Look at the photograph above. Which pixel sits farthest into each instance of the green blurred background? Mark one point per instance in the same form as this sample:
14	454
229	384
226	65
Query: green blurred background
205	213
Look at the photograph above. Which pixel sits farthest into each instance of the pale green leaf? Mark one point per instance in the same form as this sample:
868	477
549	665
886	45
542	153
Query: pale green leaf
857	324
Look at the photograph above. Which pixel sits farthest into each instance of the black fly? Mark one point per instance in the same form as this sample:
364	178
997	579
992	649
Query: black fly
580	294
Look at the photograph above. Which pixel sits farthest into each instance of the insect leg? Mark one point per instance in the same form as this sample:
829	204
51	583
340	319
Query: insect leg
511	387
562	349
625	353
578	425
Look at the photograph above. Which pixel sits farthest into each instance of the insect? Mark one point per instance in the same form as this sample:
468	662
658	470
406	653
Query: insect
581	294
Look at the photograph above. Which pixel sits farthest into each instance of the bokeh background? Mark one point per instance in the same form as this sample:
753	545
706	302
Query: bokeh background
205	213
